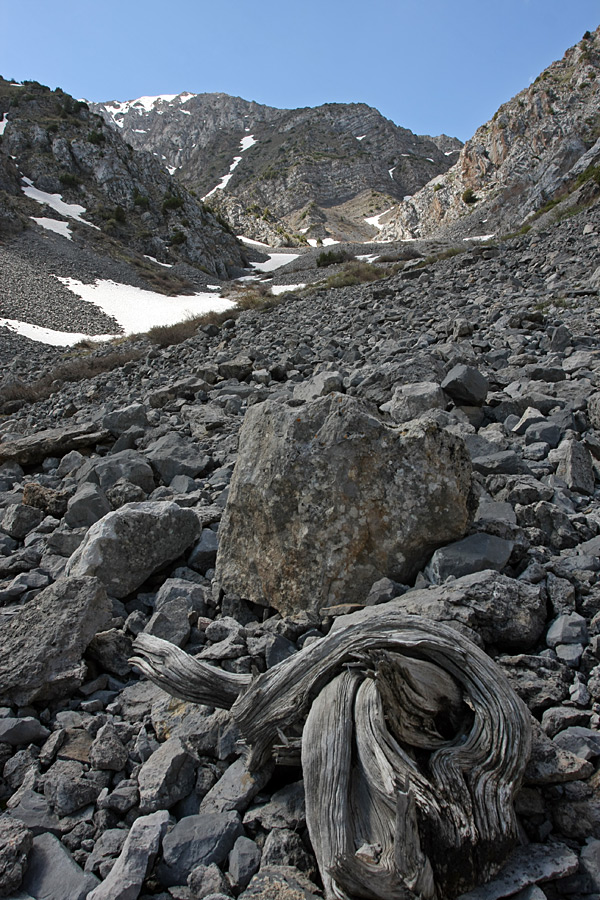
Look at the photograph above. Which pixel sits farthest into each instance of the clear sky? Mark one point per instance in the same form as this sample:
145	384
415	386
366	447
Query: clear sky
429	65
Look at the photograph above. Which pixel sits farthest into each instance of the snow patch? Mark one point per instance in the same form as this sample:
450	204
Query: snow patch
375	220
480	237
138	310
48	335
56	202
158	263
368	257
275	261
247	240
283	288
3	123
247	142
171	169
54	225
392	170
361	138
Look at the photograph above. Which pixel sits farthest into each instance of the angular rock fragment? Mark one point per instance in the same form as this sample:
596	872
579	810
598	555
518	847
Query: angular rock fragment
325	499
126	546
15	844
42	647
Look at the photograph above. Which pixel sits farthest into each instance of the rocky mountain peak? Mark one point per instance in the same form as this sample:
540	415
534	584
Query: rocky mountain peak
534	152
312	173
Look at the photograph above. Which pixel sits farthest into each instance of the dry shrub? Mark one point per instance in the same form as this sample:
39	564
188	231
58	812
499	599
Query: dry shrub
74	369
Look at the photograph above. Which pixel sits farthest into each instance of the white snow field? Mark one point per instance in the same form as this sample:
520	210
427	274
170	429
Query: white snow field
3	123
54	225
375	220
275	261
56	202
135	310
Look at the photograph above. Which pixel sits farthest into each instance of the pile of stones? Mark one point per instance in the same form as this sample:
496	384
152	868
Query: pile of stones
116	497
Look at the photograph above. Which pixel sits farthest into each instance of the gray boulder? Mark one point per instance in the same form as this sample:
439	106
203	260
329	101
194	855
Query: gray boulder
473	554
326	499
15	844
166	777
128	417
126	546
412	400
198	840
127	465
173	455
18	520
135	861
318	386
466	385
86	506
53	874
42	645
26	730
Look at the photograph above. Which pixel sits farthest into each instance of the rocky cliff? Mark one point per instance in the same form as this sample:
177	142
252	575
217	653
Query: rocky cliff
63	170
536	150
274	173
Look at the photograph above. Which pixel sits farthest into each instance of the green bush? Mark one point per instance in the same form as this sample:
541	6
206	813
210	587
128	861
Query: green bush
354	273
119	214
178	237
96	137
469	196
141	200
171	202
332	257
69	180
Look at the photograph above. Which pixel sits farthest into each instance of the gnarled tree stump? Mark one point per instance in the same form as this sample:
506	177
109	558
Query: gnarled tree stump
413	746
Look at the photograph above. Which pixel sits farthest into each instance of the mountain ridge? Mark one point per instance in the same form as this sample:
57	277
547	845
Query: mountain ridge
312	173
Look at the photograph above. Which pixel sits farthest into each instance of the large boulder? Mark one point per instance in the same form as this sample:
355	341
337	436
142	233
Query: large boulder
43	643
126	546
326	499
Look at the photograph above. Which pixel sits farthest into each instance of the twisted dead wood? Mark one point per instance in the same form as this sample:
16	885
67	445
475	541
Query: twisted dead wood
413	746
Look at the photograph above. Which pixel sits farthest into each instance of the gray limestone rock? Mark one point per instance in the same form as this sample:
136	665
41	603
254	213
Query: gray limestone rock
18	520
42	647
67	789
171	622
173	455
244	860
567	629
136	859
235	788
575	467
204	554
533	864
15	845
53	874
126	465
198	840
166	777
501	610
285	809
86	506
412	400
206	880
128	545
583	742
473	554
285	847
325	499
107	750
128	417
34	448
25	730
281	882
466	385
318	386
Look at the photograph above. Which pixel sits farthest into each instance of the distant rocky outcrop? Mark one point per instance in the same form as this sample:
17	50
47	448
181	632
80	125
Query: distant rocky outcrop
538	147
278	174
62	169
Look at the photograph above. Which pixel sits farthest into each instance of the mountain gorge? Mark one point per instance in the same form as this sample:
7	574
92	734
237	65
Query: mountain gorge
300	599
284	176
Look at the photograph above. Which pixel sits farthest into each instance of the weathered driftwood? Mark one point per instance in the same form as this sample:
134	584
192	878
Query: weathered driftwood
413	746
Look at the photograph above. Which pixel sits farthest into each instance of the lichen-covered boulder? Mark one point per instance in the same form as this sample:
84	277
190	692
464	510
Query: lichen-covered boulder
326	499
126	546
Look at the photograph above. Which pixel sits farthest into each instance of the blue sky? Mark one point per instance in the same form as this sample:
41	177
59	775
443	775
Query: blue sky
429	65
